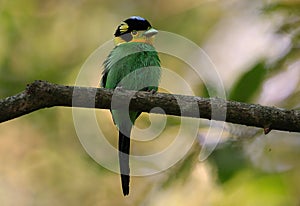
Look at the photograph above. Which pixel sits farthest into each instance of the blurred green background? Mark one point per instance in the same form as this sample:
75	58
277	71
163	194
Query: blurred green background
255	47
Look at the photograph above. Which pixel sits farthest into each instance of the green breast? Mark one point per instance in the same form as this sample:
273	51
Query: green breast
134	66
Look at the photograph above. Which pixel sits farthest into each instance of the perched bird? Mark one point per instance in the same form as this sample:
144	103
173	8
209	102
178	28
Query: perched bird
133	64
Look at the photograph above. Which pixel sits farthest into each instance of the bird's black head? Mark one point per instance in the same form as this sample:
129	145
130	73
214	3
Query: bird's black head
135	29
134	23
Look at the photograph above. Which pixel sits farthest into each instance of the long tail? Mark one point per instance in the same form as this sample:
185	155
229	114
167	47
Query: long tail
124	148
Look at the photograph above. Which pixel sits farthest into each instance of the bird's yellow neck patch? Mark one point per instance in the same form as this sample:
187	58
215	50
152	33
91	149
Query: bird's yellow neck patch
134	36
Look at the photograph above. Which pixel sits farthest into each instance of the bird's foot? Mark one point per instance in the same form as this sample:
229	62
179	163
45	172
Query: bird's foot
119	89
153	91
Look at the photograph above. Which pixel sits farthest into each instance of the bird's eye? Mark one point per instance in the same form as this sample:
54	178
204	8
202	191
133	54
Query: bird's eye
134	32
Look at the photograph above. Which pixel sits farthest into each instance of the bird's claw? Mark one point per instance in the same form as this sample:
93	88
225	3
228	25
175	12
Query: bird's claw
153	91
119	88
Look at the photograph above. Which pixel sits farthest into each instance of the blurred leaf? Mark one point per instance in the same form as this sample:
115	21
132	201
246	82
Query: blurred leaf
249	83
204	91
229	160
290	6
208	91
292	102
183	169
289	25
254	188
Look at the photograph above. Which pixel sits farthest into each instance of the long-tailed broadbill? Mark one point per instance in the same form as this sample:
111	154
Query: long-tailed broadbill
133	64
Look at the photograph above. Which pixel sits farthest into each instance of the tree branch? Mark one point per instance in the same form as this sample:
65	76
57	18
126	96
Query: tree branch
41	94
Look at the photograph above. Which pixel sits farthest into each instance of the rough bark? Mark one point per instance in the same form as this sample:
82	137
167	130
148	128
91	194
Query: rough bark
42	94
